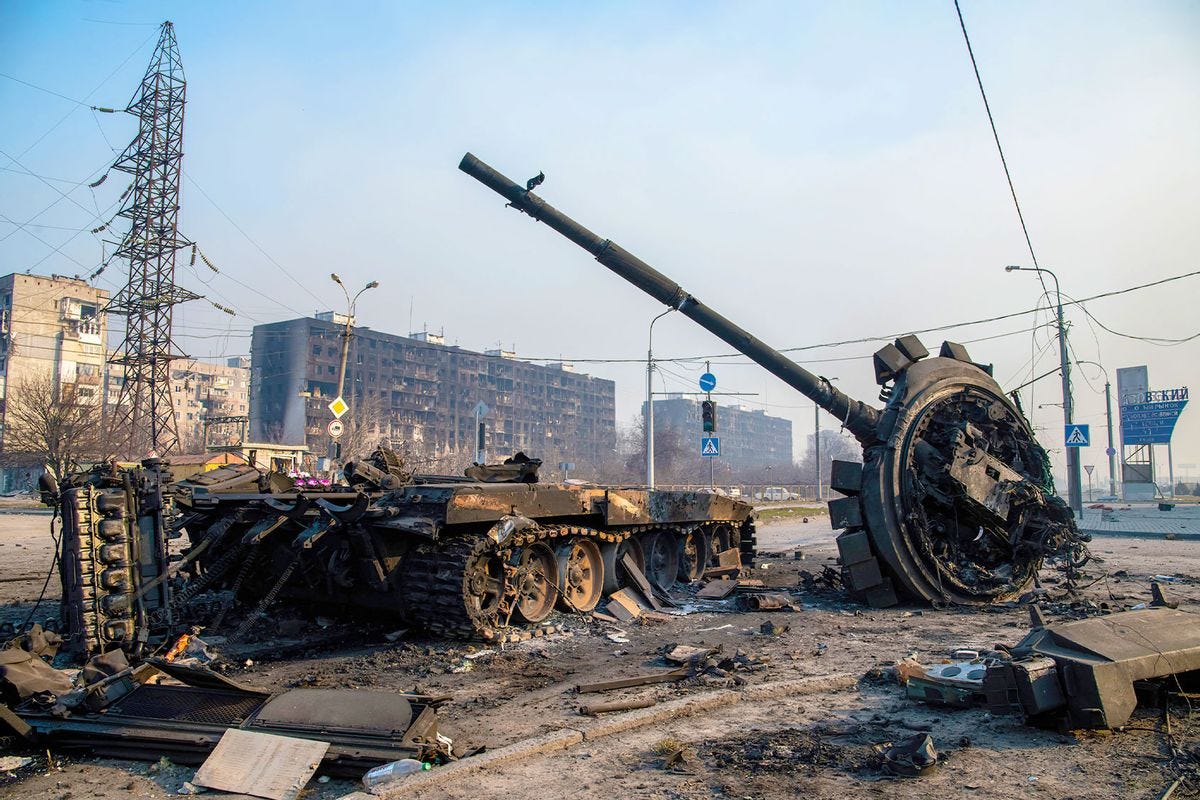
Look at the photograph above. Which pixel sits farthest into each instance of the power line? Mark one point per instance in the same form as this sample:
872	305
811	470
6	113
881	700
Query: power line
966	324
88	95
47	91
257	246
996	135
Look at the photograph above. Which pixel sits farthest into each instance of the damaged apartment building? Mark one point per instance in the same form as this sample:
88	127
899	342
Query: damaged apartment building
52	335
53	345
419	391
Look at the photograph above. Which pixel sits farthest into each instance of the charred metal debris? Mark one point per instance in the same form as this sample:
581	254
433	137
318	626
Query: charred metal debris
176	707
1088	673
144	558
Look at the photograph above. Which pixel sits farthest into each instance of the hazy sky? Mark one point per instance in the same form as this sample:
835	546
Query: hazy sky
816	172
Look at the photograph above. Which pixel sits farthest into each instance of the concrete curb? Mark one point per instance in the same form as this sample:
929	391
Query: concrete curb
563	739
1161	535
546	743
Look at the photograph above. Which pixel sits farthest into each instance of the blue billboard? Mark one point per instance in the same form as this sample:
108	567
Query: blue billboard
1151	423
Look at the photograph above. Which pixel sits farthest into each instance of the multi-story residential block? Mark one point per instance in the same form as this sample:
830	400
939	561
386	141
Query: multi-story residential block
750	439
201	391
417	390
51	327
52	336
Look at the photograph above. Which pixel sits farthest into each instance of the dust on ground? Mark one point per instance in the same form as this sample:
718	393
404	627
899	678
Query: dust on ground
818	746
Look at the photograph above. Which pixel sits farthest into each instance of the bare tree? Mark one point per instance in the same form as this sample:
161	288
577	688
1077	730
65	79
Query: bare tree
365	427
674	461
46	421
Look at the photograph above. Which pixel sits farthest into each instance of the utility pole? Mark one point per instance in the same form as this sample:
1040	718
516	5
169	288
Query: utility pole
1112	451
144	418
711	465
1074	476
817	442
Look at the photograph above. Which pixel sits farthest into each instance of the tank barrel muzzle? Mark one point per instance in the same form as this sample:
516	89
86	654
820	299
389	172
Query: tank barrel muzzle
857	417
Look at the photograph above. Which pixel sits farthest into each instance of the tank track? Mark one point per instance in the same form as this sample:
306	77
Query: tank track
433	581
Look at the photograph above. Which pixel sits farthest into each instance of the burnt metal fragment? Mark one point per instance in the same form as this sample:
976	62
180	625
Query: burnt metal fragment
1088	671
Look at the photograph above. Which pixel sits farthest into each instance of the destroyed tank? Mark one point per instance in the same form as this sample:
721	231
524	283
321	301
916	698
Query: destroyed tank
953	501
144	557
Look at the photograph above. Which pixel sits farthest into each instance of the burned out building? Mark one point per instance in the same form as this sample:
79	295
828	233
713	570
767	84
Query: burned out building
750	439
418	390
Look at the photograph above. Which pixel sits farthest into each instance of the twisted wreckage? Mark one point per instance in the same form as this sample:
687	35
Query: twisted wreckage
144	557
953	503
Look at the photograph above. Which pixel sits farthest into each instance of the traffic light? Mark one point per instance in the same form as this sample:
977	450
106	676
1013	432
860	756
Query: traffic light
708	413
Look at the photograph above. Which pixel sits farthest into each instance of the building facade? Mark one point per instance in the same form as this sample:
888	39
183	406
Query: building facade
202	391
51	328
417	390
749	438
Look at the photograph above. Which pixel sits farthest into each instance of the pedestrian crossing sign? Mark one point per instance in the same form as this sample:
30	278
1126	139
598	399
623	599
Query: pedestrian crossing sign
710	446
1078	436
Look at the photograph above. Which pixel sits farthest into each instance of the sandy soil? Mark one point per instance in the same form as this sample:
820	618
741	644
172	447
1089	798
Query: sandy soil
817	746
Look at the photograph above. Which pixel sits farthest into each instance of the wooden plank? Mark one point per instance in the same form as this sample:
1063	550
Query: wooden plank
637	680
261	764
624	606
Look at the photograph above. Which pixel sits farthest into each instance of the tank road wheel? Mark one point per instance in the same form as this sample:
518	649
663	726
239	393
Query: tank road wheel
580	574
613	552
484	585
536	581
693	555
720	539
662	558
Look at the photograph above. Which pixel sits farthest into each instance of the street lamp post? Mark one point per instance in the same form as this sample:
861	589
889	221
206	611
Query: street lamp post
347	333
817	442
650	401
1112	450
1074	482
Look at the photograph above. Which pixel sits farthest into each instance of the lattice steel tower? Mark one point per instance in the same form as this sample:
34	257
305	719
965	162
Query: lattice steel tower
144	418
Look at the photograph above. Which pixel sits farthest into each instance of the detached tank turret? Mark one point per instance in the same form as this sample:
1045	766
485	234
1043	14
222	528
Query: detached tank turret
953	501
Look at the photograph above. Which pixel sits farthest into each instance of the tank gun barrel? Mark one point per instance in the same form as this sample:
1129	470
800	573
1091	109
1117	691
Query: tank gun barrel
858	417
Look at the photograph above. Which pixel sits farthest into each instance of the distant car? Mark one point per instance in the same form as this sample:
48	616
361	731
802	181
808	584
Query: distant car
735	492
774	494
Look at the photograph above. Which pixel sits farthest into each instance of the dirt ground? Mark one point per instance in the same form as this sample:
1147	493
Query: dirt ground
815	745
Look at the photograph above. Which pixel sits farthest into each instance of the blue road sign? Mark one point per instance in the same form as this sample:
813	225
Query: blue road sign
710	446
1078	435
1150	423
708	382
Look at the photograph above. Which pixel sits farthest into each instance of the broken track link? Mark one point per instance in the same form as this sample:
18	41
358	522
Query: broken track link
462	586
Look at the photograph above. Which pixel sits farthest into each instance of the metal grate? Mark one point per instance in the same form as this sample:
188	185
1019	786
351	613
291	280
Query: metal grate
186	704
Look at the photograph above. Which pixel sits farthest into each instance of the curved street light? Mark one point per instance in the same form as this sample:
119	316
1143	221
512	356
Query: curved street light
347	333
650	401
